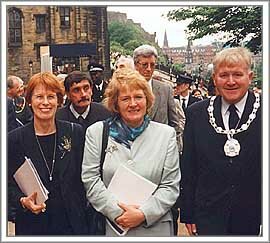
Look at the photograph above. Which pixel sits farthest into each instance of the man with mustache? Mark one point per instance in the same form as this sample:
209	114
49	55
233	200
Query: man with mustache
80	109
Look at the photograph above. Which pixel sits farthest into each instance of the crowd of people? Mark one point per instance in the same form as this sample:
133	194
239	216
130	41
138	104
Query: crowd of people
203	153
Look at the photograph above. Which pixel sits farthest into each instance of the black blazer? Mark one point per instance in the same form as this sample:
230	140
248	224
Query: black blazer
11	122
98	94
212	181
97	113
22	142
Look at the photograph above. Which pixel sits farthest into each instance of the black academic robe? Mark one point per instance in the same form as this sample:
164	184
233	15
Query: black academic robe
217	191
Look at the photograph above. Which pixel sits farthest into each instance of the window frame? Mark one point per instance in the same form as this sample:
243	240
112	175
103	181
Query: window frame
15	27
40	26
64	13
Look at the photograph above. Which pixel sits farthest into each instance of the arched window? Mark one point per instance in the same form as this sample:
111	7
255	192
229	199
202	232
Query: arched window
15	27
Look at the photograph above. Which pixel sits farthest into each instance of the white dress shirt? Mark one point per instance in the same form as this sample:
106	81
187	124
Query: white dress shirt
239	109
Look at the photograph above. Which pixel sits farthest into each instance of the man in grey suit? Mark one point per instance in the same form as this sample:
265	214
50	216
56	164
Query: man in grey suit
164	108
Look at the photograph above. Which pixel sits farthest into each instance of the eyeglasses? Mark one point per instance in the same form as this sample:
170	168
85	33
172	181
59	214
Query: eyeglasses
146	65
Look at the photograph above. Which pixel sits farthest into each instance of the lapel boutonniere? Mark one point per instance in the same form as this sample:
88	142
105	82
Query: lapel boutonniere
111	149
65	145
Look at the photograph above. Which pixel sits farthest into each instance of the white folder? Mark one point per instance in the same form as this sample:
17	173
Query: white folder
129	188
29	181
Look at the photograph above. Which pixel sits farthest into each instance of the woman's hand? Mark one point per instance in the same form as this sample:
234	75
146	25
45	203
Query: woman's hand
30	203
132	216
191	228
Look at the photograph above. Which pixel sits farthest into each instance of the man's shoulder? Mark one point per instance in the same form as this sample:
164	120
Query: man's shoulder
161	84
199	106
95	107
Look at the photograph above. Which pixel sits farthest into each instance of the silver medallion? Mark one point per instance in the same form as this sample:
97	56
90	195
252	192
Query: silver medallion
232	147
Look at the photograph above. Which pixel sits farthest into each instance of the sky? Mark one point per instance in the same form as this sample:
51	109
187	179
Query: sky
151	20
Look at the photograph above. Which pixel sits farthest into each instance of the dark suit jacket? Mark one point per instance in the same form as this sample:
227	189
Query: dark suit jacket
12	124
212	182
98	94
192	100
22	142
24	115
97	113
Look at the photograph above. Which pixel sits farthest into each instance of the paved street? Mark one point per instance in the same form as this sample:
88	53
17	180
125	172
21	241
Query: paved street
181	229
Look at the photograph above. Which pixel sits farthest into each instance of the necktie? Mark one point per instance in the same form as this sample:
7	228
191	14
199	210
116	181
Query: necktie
183	104
233	118
81	120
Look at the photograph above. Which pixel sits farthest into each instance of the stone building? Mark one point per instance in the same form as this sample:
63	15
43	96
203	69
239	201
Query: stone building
73	36
195	58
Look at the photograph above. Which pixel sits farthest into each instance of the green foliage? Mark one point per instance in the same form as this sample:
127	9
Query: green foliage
178	67
125	37
116	47
258	71
121	33
131	45
242	23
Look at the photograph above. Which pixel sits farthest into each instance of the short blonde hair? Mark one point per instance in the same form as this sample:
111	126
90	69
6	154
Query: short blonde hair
47	79
232	56
126	78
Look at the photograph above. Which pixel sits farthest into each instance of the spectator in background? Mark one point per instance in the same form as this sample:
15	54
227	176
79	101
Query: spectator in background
15	91
183	83
99	84
15	87
197	93
125	62
211	88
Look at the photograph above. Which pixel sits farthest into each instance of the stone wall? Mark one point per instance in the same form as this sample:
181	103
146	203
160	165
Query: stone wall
87	25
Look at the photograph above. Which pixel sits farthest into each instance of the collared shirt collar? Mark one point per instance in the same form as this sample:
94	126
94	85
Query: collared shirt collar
100	85
239	109
184	97
150	82
239	106
76	114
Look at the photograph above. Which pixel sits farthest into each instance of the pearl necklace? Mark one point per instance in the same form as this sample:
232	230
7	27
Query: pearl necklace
232	146
46	163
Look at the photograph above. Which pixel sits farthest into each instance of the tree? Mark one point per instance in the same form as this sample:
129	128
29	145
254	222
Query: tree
123	32
131	45
243	24
116	47
178	67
